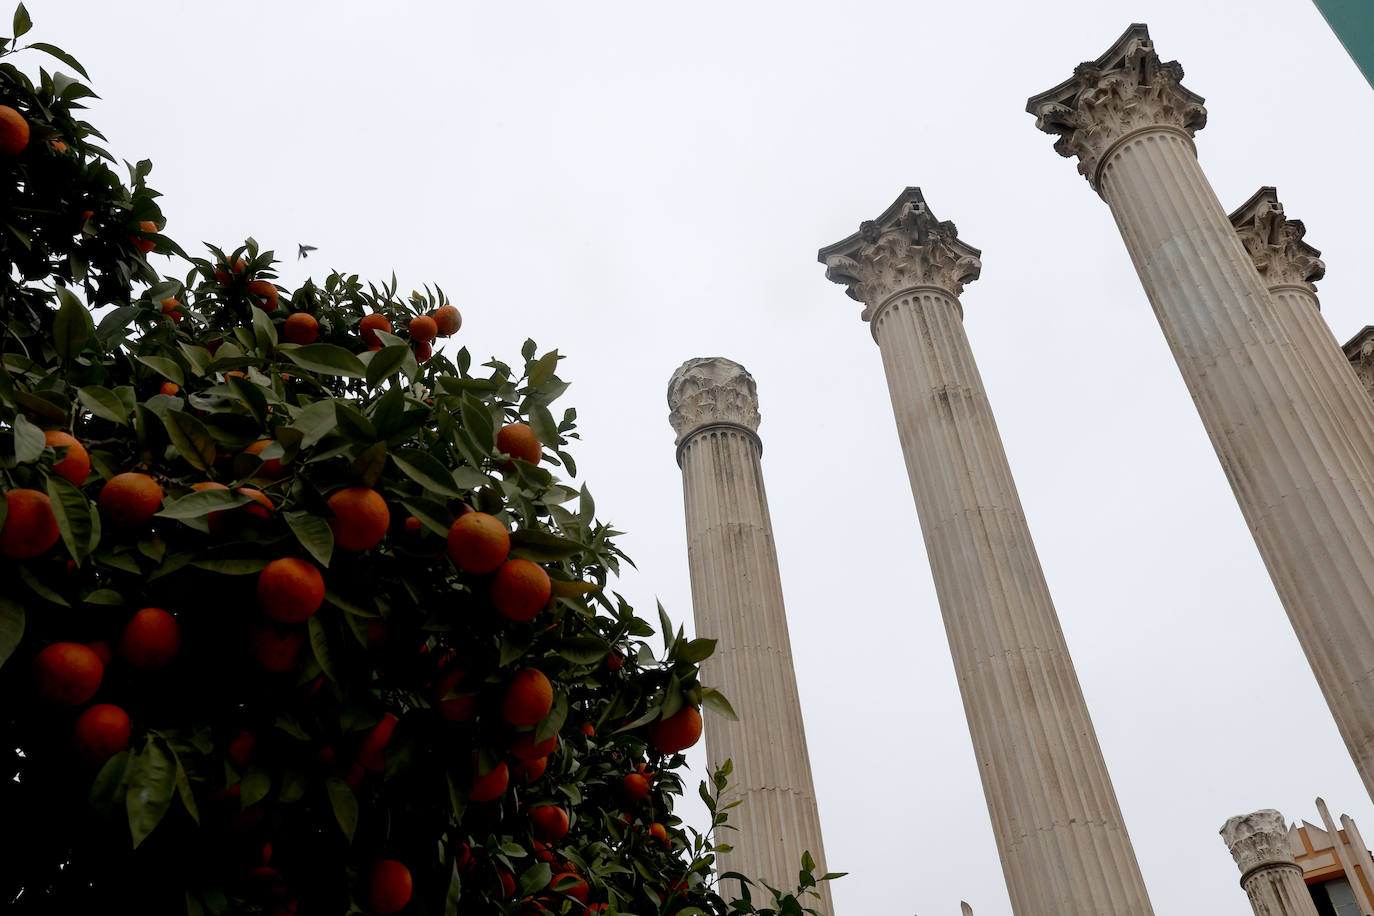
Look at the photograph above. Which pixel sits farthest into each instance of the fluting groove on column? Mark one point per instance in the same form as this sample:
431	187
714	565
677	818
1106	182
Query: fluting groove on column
1060	835
737	597
1291	438
1268	873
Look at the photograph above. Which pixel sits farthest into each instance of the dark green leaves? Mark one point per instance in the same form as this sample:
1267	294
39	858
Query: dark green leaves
314	534
190	437
152	783
72	326
345	805
385	363
203	502
325	358
542	546
22	22
77	521
167	368
104	403
584	650
714	700
60	55
28	440
425	470
11	627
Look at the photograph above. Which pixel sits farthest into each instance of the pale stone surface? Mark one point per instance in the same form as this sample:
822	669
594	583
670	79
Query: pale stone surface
737	596
1292	448
1359	352
1059	830
1346	857
1271	879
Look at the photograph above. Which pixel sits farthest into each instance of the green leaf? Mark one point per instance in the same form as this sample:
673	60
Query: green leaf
152	783
697	651
543	425
385	363
553	722
72	326
455	893
431	514
198	357
667	630
319	643
544	369
542	546
203	502
191	439
369	465
28	440
252	395
60	55
425	470
584	650
22	22
326	358
42	406
469	478
565	589
75	518
345	805
257	783
11	627
264	331
104	597
115	323
104	403
41	588
314	534
478	423
232	566
535	878
714	700
167	368
314	421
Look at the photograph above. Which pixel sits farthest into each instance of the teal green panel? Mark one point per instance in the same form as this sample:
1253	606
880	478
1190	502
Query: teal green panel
1353	23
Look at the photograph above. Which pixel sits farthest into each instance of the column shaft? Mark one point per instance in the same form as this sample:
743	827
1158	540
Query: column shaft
1303	479
1060	833
1271	878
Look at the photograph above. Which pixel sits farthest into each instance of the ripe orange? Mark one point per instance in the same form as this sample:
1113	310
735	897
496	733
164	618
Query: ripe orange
101	731
550	823
261	506
68	673
58	146
423	351
169	388
171	308
678	732
151	638
526	748
130	500
518	441
447	319
370	325
241	748
388	887
290	590
222	272
14	131
102	650
276	649
635	787
458	708
300	328
528	698
215	520
489	785
570	883
520	589
264	294
530	770
370	750
660	833
271	468
423	329
76	464
30	528
360	518
478	543
504	885
412	525
145	245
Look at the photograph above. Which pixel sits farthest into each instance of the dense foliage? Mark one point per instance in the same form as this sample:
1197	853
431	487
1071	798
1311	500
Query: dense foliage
296	616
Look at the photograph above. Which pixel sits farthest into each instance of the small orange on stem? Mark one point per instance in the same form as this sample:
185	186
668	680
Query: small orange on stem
264	294
276	649
389	887
520	589
447	319
528	698
550	823
676	733
423	329
489	785
76	464
151	638
360	518
301	328
14	131
30	527
290	590
270	468
100	732
68	673
130	500
519	441
370	325
169	388
478	542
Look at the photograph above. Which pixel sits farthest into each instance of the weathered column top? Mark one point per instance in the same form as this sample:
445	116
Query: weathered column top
1126	90
1257	839
712	391
905	248
1275	243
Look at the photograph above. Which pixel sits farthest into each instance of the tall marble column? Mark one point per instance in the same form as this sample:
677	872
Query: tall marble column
1272	880
737	596
1293	451
1059	830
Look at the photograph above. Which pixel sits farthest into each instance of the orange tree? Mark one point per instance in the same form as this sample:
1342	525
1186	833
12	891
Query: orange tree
296	616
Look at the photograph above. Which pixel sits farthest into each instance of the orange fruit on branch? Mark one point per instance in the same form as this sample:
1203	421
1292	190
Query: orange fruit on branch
360	518
526	748
489	785
660	833
457	708
389	887
370	751
530	770
519	441
447	319
528	698
264	294
276	649
423	329
14	131
478	543
550	823
290	590
130	500
169	388
634	787
676	733
171	308
571	883
100	732
68	673
223	272
271	467
520	589
145	245
423	351
151	638
370	325
300	328
30	528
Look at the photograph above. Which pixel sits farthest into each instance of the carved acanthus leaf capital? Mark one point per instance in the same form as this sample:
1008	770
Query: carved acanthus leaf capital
1256	839
906	247
711	390
1126	90
1275	243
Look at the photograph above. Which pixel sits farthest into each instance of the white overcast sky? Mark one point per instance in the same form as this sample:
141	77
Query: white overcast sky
641	183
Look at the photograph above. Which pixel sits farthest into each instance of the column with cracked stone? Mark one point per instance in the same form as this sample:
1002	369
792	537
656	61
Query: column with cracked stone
1059	829
1271	878
1292	448
737	597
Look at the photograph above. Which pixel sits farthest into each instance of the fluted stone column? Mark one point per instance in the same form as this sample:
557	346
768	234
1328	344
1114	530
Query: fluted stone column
1272	880
1059	830
737	596
1292	448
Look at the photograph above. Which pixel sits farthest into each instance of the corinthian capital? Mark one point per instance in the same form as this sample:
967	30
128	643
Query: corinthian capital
906	247
709	391
1256	839
1275	243
1126	90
